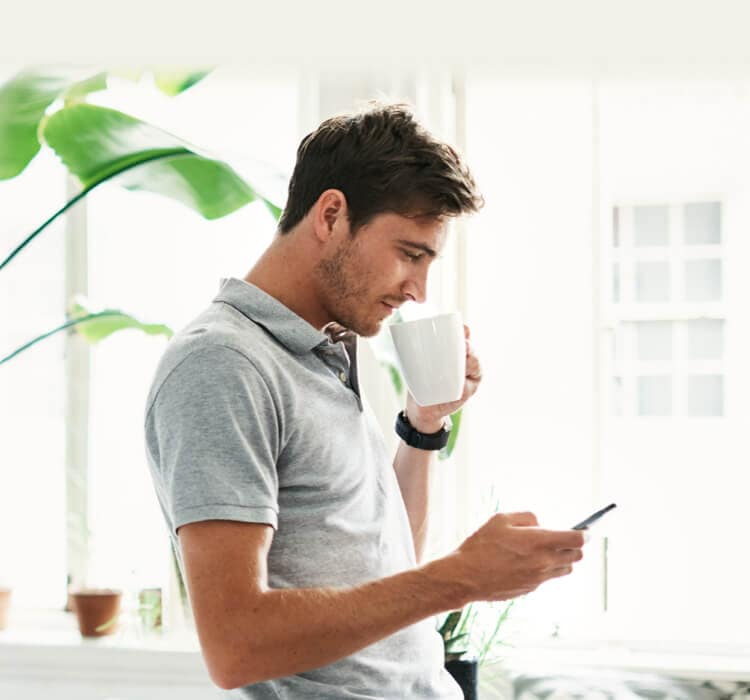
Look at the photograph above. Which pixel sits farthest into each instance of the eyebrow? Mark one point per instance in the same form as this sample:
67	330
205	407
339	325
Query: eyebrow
419	246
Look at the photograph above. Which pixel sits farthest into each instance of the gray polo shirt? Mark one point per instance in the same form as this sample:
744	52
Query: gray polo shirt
256	416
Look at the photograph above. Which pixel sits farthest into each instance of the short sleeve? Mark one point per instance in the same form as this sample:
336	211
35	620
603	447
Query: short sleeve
212	435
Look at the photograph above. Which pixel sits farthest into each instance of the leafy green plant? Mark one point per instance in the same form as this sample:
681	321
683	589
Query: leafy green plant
474	631
97	145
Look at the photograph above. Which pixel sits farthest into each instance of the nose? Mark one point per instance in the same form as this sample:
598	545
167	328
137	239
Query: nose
415	287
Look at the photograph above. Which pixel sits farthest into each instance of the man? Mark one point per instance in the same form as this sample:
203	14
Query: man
300	539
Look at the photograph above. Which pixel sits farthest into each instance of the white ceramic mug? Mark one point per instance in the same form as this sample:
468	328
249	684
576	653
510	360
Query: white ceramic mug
432	354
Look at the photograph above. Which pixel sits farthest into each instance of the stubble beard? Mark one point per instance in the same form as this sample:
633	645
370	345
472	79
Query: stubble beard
345	292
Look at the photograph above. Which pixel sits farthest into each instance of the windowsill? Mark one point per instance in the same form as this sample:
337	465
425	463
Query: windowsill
709	664
47	645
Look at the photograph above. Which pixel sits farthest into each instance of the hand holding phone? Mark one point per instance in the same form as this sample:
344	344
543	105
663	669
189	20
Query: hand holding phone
585	524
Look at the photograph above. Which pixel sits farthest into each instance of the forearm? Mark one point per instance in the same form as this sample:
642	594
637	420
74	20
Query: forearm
413	469
288	631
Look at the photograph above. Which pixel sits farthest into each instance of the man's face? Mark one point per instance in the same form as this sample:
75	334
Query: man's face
385	264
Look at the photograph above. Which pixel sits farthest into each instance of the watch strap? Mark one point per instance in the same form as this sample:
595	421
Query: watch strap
422	441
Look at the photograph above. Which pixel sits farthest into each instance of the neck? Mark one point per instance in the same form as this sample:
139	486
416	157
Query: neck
285	271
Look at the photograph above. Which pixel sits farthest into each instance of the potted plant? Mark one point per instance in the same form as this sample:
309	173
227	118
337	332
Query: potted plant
471	638
97	610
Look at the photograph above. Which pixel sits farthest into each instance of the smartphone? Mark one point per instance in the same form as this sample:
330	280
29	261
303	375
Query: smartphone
585	524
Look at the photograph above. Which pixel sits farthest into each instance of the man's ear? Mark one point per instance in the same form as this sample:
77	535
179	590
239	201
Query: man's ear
330	215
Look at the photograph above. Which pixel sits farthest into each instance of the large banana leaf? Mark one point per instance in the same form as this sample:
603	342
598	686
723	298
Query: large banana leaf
26	97
23	102
97	143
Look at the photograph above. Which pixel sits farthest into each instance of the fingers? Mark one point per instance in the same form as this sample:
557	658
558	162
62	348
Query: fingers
569	556
562	539
560	571
522	519
473	368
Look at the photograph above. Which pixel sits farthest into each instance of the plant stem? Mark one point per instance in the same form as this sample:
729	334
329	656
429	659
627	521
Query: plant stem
68	324
85	191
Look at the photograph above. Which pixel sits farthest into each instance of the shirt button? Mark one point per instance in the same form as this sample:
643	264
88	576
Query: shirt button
342	377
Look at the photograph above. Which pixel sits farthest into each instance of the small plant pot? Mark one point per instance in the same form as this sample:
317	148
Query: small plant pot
97	611
149	609
4	607
466	674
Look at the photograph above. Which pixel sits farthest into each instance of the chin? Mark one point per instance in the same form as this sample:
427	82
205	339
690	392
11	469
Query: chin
366	329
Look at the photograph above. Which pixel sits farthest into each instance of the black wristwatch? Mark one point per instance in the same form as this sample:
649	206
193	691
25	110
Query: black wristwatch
422	441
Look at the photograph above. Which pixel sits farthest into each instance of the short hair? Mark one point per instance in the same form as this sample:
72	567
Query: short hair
383	161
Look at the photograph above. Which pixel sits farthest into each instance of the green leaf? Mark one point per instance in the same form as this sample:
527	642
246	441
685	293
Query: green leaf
173	82
449	624
23	102
99	327
77	91
450	644
273	208
95	327
109	623
396	380
128	72
97	143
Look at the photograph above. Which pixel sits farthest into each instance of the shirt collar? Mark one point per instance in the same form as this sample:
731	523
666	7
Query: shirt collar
280	321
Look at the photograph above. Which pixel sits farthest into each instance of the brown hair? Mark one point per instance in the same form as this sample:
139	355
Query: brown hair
383	161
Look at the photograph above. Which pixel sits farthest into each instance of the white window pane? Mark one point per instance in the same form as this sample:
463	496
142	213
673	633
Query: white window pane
32	389
652	280
705	339
617	396
655	395
654	341
650	226
706	395
615	283
703	280
616	346
616	227
702	223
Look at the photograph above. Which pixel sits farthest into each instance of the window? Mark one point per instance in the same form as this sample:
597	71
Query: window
667	313
154	259
674	391
162	263
606	292
32	391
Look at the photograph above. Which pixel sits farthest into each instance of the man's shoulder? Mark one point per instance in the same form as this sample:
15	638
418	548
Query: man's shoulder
217	339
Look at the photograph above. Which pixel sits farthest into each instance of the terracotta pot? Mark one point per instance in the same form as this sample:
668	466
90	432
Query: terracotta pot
4	607
95	607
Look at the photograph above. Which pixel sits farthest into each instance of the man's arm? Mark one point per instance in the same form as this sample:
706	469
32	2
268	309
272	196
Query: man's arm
413	467
250	632
413	470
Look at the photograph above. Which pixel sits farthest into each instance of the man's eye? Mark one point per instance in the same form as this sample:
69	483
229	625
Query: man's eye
412	256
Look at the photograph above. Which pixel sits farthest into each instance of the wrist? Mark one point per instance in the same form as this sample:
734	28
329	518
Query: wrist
428	426
414	437
445	578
